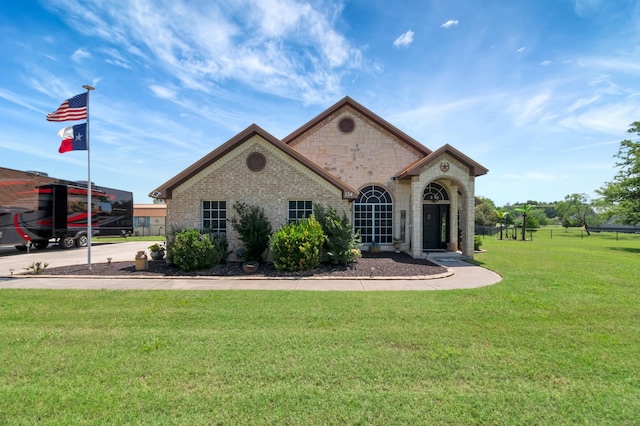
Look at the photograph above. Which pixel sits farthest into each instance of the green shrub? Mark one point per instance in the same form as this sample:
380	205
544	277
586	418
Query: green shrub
341	244
171	238
477	242
296	247
253	228
220	241
192	251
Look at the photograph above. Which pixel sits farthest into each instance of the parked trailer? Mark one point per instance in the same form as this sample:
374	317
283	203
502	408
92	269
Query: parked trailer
36	209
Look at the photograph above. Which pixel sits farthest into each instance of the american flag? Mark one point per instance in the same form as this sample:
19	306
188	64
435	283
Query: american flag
72	109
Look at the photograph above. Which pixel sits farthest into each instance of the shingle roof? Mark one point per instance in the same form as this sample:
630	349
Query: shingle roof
475	168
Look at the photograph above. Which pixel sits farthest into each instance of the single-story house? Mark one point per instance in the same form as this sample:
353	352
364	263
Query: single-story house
390	185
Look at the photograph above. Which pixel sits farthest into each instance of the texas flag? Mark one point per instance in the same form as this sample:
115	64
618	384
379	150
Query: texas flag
74	138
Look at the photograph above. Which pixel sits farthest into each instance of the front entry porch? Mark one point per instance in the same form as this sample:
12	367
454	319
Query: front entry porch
435	225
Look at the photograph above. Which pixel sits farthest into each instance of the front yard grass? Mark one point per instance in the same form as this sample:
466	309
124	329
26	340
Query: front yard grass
556	342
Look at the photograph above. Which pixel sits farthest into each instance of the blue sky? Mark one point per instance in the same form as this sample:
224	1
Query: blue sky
541	92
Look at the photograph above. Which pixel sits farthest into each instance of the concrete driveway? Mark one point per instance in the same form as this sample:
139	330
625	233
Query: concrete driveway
13	261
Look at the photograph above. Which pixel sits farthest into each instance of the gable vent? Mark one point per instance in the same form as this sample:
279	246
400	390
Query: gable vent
346	125
256	162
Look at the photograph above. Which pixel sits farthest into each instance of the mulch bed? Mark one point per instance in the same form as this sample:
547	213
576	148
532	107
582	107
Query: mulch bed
370	265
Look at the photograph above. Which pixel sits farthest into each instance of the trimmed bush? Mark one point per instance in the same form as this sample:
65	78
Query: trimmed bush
341	244
253	228
477	242
296	247
192	251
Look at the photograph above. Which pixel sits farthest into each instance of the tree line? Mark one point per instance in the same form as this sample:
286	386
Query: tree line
618	201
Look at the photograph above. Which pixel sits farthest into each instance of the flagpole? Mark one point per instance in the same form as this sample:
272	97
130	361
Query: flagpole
89	189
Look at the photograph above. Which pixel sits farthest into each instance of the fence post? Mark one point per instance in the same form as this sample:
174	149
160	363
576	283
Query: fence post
551	230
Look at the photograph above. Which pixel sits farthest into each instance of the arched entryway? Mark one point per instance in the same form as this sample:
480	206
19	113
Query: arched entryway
436	207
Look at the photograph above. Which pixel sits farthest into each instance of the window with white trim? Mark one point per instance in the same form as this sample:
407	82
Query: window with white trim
214	216
299	210
373	215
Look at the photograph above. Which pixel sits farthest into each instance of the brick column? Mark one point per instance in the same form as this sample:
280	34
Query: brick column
453	218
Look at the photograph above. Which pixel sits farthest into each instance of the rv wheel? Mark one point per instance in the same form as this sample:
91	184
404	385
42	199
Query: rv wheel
81	241
66	242
41	244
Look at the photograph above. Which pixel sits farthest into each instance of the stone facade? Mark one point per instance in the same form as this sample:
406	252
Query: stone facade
459	184
368	154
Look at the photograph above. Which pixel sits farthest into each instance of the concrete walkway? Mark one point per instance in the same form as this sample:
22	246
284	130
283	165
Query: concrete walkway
461	275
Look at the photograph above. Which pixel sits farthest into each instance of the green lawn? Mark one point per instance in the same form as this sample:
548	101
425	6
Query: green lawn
556	342
128	239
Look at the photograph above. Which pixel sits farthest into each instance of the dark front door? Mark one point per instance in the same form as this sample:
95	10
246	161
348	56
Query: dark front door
435	226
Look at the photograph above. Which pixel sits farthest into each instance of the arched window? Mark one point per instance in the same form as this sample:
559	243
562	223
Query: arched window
373	215
435	192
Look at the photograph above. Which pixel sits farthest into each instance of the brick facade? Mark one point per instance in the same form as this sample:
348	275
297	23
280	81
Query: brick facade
329	164
229	179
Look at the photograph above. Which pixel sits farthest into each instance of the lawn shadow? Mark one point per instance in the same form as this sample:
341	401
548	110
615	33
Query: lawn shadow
626	249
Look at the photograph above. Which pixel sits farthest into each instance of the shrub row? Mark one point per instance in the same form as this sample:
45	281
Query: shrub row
301	246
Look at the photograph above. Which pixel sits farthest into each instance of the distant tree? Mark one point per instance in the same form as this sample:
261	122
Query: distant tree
576	210
487	201
525	209
537	218
485	215
624	191
549	210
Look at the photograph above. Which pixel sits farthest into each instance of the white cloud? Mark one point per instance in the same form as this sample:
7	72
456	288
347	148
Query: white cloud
527	110
163	92
522	49
606	117
285	48
591	146
586	7
404	40
115	57
545	63
79	55
450	23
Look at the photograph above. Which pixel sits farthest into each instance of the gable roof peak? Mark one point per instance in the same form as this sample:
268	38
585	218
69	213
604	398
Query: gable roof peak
370	115
475	168
166	190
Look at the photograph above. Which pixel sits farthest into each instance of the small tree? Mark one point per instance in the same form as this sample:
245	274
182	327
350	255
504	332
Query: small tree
341	244
577	207
524	210
253	228
502	217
